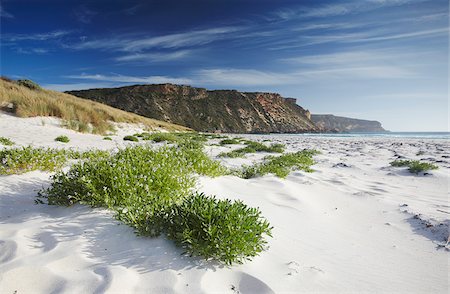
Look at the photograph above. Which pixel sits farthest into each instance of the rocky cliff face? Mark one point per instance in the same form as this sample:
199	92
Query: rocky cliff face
208	111
331	123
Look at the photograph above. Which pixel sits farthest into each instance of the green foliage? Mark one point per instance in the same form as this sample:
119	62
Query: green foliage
253	147
131	138
29	84
5	141
282	165
220	229
414	166
25	159
152	191
229	142
107	138
63	139
161	137
137	182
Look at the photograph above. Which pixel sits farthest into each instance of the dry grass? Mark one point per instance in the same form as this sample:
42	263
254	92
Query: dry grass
78	114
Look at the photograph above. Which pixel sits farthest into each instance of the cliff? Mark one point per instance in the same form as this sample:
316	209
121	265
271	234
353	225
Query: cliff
331	123
208	111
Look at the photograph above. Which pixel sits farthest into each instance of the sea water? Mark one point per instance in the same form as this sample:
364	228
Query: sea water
419	135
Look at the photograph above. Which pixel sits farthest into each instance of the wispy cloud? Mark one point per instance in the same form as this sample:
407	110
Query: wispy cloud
84	15
4	13
36	37
170	41
154	57
32	51
339	9
131	79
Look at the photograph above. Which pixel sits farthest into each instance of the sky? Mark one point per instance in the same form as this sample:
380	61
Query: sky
384	60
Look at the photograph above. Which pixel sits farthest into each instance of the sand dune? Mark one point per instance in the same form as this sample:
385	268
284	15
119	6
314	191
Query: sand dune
354	225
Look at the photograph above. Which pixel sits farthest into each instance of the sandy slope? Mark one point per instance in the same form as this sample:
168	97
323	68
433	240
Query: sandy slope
354	225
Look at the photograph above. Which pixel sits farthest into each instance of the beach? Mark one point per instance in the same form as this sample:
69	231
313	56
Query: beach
355	224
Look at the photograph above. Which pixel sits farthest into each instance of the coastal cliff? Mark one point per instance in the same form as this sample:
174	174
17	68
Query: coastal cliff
339	124
227	111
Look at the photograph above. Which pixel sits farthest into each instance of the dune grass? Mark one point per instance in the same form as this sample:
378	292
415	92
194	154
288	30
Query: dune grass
78	114
253	147
62	139
414	166
282	165
6	141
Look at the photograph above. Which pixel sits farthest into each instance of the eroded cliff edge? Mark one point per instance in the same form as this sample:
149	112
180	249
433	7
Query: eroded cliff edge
228	111
339	124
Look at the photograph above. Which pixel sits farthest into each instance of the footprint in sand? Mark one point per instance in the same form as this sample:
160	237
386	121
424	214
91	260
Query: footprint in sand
294	268
7	250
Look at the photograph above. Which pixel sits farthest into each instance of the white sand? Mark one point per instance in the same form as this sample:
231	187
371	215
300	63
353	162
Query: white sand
363	227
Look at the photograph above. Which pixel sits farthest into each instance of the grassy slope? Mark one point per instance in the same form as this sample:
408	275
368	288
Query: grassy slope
79	114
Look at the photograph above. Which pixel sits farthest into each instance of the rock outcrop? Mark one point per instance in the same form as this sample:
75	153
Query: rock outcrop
339	124
208	111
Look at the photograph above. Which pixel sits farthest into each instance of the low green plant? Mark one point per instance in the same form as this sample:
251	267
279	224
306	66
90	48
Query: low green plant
253	147
63	139
5	141
230	232
152	191
414	166
29	84
107	138
131	138
229	142
281	165
161	137
25	159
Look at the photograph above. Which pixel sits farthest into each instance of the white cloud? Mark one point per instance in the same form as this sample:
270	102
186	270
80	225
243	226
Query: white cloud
345	8
36	37
154	57
132	79
170	41
4	13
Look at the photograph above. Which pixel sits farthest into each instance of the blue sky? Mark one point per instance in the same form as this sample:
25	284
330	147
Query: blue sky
384	60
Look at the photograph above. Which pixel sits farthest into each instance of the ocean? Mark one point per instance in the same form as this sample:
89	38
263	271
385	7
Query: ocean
418	135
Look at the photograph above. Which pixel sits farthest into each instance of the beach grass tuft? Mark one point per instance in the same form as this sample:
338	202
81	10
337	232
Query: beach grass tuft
6	141
62	139
253	147
281	165
414	166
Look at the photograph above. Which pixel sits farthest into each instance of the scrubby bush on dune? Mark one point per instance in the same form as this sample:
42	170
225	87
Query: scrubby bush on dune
25	159
131	138
253	147
414	166
281	165
62	139
6	141
229	142
152	191
220	229
107	138
29	84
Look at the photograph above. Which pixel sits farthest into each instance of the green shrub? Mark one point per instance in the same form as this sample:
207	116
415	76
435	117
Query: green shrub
29	84
200	162
25	159
107	138
63	139
131	138
161	137
229	142
138	183
253	147
282	165
414	166
220	229
5	141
